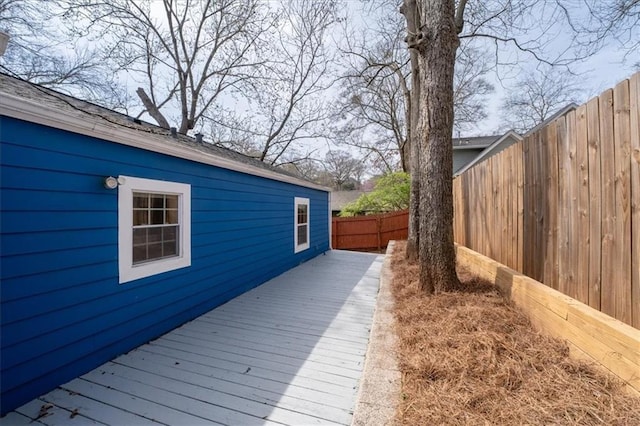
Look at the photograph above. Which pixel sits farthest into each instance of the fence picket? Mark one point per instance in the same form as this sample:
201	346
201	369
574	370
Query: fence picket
593	149
582	237
551	207
634	105
622	225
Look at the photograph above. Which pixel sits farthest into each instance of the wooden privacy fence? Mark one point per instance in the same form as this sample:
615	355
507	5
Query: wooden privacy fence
371	232
563	206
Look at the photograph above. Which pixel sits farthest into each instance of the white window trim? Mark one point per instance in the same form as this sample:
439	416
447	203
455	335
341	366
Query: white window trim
300	247
128	185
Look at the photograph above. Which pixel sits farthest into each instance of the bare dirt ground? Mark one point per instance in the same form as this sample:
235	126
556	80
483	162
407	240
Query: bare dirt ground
471	358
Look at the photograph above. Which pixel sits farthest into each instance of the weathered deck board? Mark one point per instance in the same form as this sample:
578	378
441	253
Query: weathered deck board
289	352
165	366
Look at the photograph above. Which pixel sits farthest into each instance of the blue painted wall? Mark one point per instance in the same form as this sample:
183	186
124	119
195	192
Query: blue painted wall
63	311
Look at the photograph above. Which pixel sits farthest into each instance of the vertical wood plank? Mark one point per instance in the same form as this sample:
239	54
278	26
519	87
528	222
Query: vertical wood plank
489	223
532	212
499	218
512	208
541	201
473	206
463	209
622	208
634	105
607	201
456	210
564	206
528	207
621	274
475	194
551	208
499	167
520	210
488	208
494	228
571	182
593	141
582	177
460	212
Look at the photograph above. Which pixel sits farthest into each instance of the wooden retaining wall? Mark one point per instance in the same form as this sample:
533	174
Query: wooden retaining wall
563	206
588	332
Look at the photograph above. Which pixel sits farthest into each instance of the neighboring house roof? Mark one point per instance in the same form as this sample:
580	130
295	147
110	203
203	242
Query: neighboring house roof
341	198
559	113
474	142
31	102
495	147
492	145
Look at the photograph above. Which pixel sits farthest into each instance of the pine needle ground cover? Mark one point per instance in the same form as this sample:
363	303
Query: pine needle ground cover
472	358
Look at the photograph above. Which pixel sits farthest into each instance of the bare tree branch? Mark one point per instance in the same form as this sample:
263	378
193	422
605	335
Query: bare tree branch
152	109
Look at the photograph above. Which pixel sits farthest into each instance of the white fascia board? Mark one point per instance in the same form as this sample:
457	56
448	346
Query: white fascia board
82	123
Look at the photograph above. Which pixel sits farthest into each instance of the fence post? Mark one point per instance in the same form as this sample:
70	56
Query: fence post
379	225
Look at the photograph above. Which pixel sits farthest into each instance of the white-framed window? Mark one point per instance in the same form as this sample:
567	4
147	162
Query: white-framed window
154	227
301	227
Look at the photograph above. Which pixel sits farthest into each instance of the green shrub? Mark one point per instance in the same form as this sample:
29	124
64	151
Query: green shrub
391	193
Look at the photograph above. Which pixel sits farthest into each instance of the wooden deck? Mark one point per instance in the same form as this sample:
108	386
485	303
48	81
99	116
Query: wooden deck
290	352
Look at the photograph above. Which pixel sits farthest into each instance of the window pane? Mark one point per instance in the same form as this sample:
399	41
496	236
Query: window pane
139	236
172	201
172	216
140	217
302	213
302	234
140	200
139	254
157	201
170	248
169	233
155	250
154	235
157	217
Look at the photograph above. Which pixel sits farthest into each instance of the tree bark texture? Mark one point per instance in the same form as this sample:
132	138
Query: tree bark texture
409	10
436	44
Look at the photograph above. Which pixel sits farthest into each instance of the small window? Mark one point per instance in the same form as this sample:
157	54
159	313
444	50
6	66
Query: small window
301	231
154	227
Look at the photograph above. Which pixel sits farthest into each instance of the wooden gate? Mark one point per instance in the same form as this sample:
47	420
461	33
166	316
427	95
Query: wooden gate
371	232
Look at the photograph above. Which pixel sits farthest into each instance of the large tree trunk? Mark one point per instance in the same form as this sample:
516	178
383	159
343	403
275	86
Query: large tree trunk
436	45
409	10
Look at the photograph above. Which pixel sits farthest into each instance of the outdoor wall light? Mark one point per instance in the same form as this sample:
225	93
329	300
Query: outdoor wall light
112	183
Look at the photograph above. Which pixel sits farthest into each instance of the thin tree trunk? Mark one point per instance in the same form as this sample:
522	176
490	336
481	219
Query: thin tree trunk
409	10
437	44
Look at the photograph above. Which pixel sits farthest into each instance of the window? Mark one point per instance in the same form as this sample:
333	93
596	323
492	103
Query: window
301	230
154	227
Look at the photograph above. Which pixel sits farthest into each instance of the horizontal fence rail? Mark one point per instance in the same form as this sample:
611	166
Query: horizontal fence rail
563	206
371	232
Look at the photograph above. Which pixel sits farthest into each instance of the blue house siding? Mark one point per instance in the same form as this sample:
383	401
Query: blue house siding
63	311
